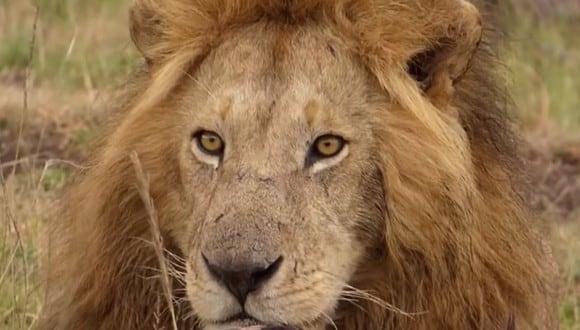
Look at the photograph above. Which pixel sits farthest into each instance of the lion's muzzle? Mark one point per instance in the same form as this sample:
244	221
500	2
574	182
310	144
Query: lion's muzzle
247	267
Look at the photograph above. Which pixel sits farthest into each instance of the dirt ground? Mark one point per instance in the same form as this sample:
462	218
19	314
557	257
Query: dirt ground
555	172
53	127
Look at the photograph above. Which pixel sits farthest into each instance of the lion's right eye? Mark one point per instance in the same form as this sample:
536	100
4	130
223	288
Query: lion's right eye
208	147
210	143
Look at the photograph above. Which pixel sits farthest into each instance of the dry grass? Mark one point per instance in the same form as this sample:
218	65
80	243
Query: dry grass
144	193
49	110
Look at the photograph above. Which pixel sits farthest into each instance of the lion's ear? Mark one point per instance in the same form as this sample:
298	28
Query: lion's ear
145	28
446	58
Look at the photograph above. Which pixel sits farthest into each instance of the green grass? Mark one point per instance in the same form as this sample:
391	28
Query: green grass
79	44
567	242
86	69
14	51
545	62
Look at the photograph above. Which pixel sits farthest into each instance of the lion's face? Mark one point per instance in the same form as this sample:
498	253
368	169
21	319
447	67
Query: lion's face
281	185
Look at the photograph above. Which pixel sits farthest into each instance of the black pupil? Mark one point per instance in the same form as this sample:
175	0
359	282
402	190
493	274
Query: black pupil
328	147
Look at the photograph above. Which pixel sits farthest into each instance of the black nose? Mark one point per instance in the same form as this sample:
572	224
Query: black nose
243	279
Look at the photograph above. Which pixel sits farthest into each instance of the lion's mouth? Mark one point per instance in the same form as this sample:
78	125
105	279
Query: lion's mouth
244	321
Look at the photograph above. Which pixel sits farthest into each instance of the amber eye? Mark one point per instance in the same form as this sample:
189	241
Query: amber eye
328	146
209	142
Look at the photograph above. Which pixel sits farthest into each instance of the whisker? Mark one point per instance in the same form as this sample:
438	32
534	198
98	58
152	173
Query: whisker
180	277
176	270
353	302
363	295
327	317
168	253
350	291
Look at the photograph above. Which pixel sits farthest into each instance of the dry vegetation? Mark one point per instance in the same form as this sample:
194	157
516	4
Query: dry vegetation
51	88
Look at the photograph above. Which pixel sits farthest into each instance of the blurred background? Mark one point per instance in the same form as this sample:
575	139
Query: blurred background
60	58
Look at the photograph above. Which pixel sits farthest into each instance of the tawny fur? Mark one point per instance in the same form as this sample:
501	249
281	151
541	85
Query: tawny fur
462	249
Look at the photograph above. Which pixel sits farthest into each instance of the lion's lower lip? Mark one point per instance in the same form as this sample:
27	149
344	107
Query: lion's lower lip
243	321
247	322
243	318
268	327
264	327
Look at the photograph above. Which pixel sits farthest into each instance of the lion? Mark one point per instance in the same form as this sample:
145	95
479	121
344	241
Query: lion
304	164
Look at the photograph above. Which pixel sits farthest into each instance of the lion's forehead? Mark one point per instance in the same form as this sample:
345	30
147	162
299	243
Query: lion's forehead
259	64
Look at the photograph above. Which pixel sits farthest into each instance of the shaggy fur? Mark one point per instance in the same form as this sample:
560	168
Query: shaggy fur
458	248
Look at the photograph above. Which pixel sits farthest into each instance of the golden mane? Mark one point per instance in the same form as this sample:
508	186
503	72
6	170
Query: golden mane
458	233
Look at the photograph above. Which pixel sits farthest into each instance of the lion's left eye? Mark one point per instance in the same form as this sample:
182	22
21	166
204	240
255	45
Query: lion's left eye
326	151
328	146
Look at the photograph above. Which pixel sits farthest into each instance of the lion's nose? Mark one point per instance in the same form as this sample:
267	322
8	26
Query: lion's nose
242	279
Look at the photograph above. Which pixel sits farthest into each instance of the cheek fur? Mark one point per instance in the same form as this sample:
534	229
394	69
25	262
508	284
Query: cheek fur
372	210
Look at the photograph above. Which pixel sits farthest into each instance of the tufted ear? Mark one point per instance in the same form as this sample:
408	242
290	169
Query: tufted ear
145	28
446	57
